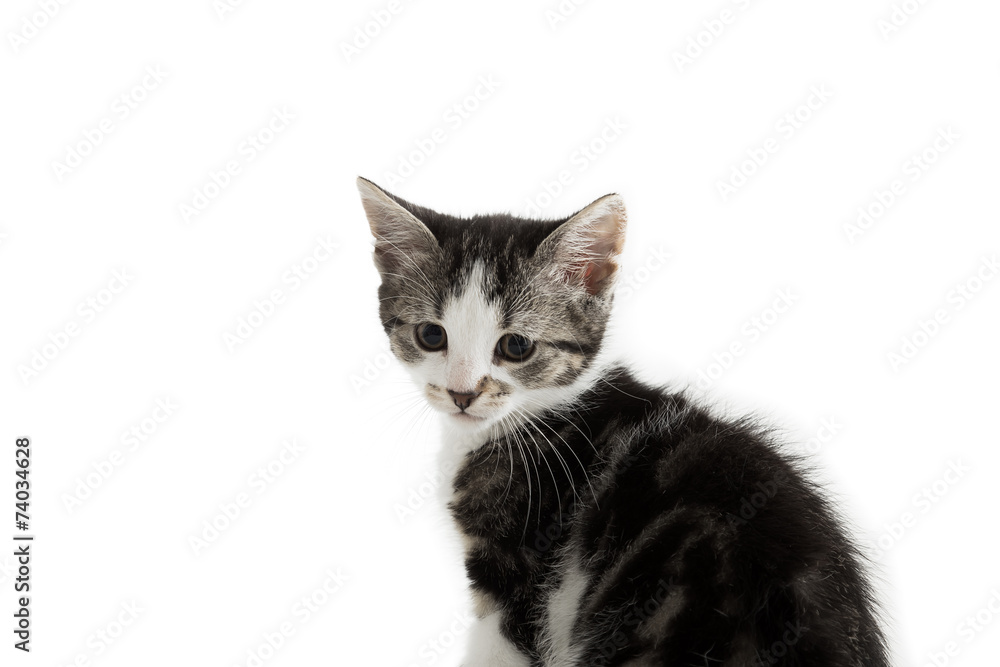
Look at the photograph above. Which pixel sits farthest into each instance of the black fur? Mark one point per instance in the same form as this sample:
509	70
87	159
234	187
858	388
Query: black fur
704	544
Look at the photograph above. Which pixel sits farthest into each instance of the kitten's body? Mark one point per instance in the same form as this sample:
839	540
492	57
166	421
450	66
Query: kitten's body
689	541
606	522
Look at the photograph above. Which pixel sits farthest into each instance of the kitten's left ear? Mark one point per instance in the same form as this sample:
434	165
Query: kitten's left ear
584	249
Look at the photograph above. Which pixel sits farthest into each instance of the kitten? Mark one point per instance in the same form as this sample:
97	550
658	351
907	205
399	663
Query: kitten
605	521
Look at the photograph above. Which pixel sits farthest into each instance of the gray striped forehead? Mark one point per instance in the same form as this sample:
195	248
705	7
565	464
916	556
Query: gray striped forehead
501	254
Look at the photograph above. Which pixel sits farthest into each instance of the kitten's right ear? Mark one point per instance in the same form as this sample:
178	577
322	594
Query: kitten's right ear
584	250
401	240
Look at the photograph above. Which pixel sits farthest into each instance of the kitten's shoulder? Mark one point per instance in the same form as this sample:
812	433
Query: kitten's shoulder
688	445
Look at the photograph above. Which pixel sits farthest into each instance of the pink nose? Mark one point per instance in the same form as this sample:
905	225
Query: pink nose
463	399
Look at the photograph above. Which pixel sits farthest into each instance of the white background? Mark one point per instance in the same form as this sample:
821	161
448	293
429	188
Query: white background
351	503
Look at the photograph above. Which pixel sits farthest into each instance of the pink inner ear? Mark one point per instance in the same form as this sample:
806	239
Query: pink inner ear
595	274
590	273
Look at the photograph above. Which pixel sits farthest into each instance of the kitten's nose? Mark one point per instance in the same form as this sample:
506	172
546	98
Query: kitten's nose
463	399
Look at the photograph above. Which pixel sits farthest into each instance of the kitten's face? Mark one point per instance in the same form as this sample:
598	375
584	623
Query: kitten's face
494	317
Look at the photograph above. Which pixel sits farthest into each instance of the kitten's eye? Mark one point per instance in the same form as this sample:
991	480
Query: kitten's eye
431	336
515	348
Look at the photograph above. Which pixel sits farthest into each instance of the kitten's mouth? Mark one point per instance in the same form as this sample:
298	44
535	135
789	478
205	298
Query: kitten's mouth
466	417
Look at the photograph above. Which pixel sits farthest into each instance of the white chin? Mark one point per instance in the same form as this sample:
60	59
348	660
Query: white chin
467	419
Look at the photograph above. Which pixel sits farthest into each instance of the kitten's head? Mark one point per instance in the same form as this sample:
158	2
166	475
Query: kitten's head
494	316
